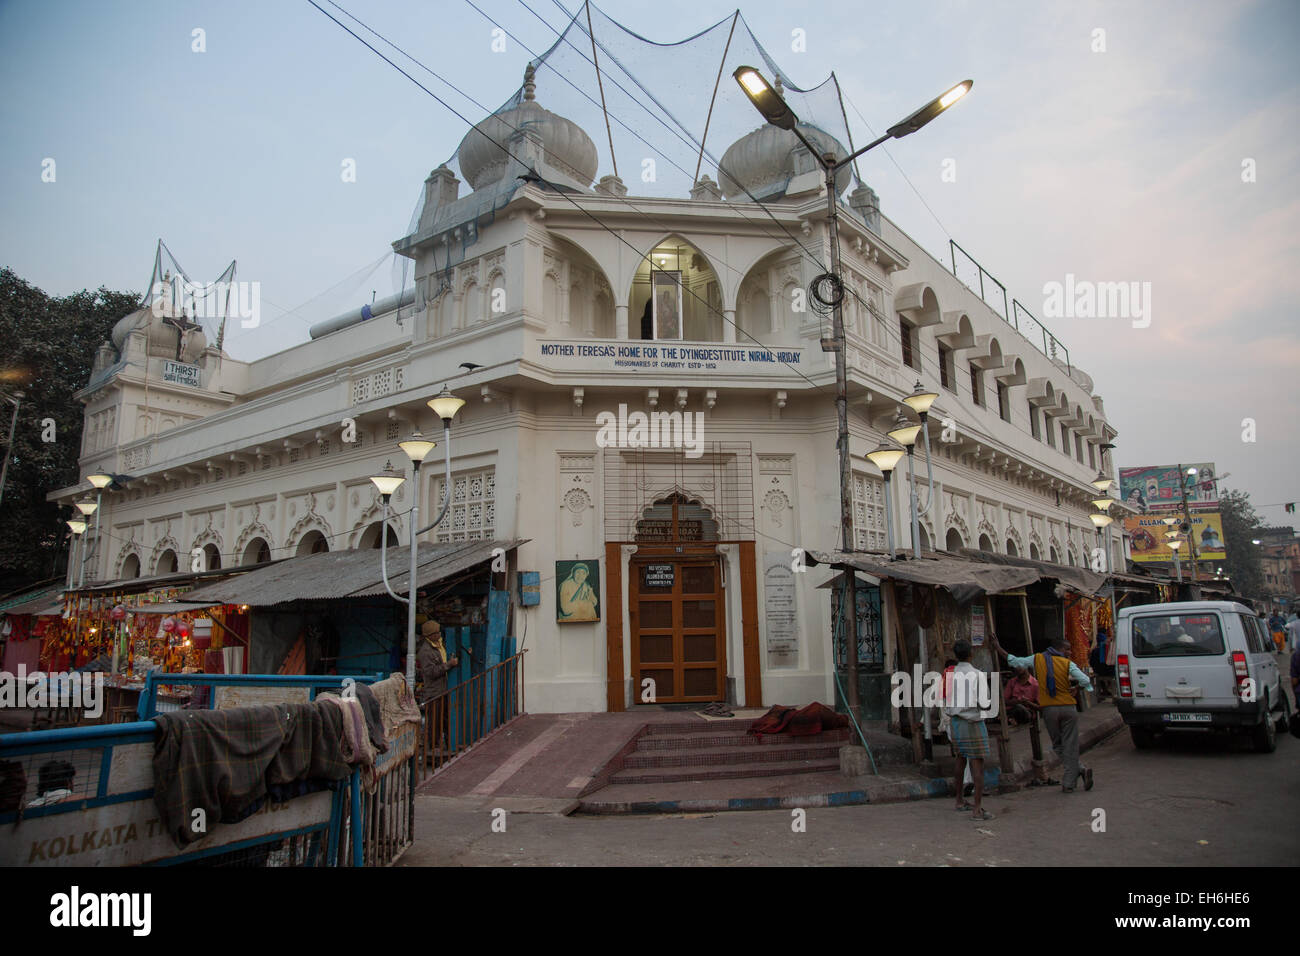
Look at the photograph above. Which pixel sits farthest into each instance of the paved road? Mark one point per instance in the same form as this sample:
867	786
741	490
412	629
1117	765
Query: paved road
1200	801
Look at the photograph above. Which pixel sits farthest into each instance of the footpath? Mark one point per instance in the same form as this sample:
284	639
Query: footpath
567	763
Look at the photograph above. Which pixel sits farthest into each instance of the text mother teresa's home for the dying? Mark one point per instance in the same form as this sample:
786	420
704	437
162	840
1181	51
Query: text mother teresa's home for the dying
649	404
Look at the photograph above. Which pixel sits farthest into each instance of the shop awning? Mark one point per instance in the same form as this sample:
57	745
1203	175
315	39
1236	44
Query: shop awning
1076	579
334	575
171	607
965	580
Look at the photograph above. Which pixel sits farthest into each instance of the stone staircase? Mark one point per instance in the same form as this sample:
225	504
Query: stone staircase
721	749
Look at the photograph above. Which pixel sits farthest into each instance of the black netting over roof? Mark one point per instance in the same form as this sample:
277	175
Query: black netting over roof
661	101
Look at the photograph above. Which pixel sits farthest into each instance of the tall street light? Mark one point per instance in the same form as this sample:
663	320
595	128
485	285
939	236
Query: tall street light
101	481
777	112
87	508
78	527
445	405
16	399
904	432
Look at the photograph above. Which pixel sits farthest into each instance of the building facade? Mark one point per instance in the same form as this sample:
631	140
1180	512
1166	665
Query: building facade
649	405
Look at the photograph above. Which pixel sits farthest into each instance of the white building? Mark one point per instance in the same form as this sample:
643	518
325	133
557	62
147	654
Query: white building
546	296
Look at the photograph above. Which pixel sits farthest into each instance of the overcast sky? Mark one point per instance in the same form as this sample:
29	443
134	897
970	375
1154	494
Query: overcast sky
1150	142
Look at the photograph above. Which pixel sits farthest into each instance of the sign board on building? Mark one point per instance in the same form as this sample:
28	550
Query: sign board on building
976	624
587	355
781	620
181	374
1149	544
657	576
1155	488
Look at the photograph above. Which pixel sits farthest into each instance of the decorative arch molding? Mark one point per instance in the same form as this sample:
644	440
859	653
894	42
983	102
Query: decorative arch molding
368	517
1036	539
986	526
928	525
165	544
1055	545
208	535
311	521
958	523
1014	534
128	549
254	530
665	493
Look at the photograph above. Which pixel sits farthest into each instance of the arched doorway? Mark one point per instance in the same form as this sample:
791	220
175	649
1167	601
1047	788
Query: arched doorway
257	552
678	624
313	542
211	557
370	537
675	295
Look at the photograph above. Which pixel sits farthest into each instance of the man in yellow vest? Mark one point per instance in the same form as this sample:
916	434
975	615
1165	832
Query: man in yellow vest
1054	671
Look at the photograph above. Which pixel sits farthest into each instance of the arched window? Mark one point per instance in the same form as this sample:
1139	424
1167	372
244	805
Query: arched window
257	552
211	557
131	566
1034	553
313	542
954	542
676	518
166	563
986	543
1011	548
370	537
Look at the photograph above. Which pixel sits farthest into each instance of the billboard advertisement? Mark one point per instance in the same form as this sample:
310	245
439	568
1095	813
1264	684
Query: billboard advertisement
1153	489
1147	535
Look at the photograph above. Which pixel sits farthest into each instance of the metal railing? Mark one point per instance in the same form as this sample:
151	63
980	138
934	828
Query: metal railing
459	718
1012	311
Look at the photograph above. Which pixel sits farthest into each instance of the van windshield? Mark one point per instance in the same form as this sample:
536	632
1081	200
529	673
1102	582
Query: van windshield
1177	635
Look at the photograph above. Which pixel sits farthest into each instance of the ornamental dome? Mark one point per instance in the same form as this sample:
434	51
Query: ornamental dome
160	335
555	147
765	160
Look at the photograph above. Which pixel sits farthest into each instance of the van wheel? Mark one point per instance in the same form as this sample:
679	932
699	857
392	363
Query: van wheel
1264	735
1284	722
1143	739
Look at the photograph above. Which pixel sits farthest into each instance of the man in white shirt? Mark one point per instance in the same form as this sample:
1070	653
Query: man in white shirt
969	738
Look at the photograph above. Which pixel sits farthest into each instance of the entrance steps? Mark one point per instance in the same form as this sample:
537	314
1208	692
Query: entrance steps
721	750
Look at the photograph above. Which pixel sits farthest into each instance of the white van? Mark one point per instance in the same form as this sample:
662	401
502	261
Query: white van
1197	666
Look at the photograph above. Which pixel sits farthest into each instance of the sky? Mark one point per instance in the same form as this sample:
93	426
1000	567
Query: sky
1153	143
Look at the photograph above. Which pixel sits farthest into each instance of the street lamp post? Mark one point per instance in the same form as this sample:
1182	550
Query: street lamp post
16	398
445	405
885	456
1174	546
78	527
101	481
777	112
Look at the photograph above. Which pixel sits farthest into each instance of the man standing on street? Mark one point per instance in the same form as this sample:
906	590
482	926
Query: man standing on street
969	737
1054	671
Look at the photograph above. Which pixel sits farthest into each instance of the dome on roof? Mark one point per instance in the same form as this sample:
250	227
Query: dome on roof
557	148
160	335
764	161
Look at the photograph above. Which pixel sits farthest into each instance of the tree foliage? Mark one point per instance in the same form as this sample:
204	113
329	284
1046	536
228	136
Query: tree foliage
1240	527
47	348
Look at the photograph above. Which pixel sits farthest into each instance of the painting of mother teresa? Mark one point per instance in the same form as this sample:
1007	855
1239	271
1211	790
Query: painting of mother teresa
577	591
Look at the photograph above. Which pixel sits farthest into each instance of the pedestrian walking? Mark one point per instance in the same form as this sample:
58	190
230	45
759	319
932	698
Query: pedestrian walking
969	737
1056	703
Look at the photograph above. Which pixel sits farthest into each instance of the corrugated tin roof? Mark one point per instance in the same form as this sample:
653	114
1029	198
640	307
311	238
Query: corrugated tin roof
33	602
343	574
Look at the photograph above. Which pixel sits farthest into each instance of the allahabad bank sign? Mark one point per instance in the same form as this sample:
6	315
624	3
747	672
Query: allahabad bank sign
1155	488
1147	537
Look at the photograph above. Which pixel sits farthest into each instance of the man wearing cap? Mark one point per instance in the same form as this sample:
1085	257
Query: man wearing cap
431	662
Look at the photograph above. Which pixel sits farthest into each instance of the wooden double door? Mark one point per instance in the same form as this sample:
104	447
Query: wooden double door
678	628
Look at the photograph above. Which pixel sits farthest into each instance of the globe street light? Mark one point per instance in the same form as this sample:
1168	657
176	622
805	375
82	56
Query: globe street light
885	456
777	112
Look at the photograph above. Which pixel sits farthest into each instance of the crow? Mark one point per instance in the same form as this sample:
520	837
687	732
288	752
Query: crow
469	366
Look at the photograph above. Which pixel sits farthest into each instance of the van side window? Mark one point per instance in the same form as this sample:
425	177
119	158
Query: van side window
1249	623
